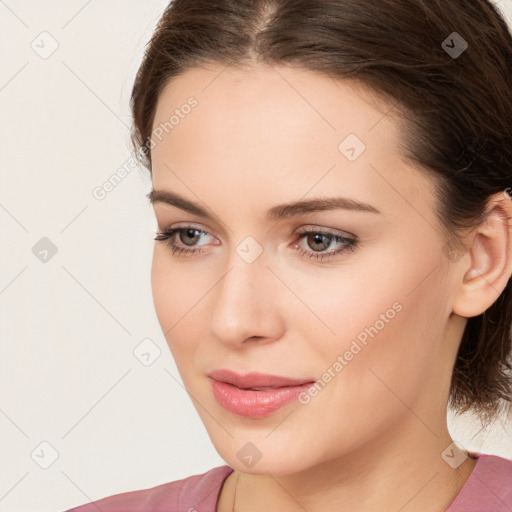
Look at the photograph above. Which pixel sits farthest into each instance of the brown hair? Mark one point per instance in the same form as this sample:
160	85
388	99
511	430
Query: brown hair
456	110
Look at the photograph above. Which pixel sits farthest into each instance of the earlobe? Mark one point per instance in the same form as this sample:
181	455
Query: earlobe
490	266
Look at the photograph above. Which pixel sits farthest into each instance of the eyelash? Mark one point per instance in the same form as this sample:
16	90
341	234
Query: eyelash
350	244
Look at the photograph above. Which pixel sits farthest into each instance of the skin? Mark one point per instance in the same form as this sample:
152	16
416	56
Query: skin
372	439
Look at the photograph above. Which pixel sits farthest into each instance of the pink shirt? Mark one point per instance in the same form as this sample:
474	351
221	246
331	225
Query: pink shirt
488	489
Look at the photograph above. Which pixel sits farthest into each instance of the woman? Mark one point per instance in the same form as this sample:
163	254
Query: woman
331	181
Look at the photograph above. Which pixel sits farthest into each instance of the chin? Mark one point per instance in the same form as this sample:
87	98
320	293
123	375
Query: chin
259	454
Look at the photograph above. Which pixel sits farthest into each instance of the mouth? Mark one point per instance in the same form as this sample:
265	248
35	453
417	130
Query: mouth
256	381
255	395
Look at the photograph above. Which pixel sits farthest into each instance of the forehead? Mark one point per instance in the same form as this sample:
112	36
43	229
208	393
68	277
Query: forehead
277	130
264	96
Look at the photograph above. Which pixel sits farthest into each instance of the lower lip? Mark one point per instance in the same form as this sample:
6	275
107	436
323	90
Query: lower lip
255	404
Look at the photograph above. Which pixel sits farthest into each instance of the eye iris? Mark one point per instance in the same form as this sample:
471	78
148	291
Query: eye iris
317	240
192	233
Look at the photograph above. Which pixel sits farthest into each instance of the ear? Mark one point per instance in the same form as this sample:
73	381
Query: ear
486	274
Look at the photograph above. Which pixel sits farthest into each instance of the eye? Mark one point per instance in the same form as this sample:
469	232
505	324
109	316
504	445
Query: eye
322	240
188	236
319	240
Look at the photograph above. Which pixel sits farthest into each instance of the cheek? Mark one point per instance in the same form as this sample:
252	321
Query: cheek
175	297
164	294
373	365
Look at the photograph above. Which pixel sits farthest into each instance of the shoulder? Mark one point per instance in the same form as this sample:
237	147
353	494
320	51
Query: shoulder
489	487
196	493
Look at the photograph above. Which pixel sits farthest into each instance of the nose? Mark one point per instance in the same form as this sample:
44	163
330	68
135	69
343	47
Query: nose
245	304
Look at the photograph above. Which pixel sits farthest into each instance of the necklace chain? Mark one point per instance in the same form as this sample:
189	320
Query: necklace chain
234	496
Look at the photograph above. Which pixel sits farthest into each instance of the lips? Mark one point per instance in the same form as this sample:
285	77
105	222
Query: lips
255	395
255	380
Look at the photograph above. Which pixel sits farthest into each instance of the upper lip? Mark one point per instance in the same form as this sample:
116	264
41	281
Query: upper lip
255	379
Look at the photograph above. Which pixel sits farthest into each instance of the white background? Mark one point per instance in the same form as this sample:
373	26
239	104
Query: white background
69	326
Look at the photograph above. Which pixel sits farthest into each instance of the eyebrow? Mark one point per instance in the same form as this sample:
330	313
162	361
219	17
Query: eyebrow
275	213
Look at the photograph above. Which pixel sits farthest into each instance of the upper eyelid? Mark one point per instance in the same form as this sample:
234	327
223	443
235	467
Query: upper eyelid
299	231
328	231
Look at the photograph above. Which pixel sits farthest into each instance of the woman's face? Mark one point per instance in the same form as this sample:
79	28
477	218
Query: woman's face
372	324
